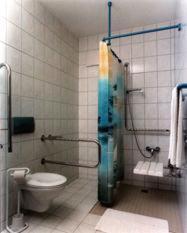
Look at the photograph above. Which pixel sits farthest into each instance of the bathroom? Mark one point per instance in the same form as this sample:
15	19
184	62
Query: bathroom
53	171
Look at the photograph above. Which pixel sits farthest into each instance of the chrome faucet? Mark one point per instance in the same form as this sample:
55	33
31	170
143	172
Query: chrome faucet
152	150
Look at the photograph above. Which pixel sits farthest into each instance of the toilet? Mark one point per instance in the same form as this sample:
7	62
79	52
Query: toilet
40	189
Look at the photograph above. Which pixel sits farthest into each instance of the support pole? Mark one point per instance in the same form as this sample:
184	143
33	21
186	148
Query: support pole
109	21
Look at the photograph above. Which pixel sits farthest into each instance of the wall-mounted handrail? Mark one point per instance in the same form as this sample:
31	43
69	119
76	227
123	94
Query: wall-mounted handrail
9	105
61	138
149	131
111	37
135	90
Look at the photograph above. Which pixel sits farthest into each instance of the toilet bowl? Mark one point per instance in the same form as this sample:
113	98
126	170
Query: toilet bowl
40	189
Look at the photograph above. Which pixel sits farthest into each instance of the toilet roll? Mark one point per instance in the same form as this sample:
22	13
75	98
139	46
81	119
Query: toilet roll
19	176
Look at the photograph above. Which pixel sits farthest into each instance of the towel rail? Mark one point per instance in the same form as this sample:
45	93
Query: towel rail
181	86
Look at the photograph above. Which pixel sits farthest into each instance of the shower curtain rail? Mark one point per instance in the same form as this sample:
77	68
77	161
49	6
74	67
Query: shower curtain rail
111	37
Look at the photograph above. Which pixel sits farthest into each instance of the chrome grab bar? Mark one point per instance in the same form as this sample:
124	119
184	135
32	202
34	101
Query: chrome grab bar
135	90
9	105
61	138
149	131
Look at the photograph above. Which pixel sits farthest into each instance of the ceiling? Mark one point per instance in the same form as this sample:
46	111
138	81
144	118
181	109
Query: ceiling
89	17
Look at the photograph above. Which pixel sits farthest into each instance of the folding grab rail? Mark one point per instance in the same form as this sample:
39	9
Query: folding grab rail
60	138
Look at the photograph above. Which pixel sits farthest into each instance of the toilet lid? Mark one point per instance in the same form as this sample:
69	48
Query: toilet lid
44	179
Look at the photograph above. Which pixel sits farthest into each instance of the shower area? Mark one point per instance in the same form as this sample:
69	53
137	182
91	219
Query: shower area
153	63
97	105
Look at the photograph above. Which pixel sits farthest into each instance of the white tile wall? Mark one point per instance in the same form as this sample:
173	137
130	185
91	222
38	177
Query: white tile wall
43	56
151	62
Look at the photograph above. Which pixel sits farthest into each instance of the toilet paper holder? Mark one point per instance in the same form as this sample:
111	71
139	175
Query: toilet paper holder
18	224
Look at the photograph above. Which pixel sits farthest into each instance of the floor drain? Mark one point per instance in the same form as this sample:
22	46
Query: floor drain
144	190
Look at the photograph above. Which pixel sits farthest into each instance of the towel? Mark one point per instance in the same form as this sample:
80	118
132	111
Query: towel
176	148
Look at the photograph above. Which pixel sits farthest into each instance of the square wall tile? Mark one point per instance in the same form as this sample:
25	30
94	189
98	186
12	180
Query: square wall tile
164	62
138	80
13	36
3	29
164	111
27	86
14	59
125	51
27	22
14	12
27	65
150	64
137	65
150	95
151	79
164	79
150	48
27	43
2	52
28	5
151	111
137	50
164	94
164	46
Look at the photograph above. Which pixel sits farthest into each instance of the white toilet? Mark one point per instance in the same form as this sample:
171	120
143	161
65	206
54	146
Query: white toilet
40	189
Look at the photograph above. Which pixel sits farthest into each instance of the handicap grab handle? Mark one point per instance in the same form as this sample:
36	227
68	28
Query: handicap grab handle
61	138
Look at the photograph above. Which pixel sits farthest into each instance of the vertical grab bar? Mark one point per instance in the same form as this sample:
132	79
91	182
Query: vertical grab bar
9	100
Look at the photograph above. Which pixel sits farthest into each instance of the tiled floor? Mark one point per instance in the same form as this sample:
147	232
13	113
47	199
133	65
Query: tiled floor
69	212
156	203
77	209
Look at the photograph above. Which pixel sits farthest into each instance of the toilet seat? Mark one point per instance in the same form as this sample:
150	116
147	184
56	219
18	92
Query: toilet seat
45	180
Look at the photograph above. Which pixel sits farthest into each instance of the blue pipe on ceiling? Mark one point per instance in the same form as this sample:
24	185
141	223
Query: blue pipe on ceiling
111	37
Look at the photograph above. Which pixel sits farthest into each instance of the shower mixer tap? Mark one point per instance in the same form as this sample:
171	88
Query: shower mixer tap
152	150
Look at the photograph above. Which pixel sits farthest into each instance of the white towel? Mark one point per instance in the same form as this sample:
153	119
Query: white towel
180	154
176	148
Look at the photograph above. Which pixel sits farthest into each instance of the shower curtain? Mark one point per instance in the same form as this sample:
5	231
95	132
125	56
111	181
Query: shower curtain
110	123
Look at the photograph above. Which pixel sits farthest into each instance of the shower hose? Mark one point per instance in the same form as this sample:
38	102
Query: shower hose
134	132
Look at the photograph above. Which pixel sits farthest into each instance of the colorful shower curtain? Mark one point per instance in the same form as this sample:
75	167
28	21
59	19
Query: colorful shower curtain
110	123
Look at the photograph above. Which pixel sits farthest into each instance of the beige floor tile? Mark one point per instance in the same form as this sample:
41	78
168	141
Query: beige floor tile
67	225
41	229
85	228
62	212
78	215
91	219
51	221
57	231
